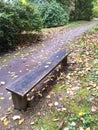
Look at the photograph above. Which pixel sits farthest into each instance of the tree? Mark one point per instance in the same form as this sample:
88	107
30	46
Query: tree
83	9
66	4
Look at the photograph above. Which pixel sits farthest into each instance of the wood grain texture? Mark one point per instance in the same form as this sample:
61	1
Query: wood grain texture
25	83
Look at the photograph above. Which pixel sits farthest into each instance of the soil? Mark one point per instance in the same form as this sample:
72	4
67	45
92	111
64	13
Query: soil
13	65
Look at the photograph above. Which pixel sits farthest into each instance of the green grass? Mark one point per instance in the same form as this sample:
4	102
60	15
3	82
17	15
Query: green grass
78	107
92	30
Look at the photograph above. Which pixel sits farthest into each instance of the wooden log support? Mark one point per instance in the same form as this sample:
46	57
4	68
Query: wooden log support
64	62
19	102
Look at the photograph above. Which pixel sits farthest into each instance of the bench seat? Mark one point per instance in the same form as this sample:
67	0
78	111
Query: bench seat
23	85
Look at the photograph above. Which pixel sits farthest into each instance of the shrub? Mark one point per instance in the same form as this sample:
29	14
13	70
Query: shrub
15	19
53	14
95	12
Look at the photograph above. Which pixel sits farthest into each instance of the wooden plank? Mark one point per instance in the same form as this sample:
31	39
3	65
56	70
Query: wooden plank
25	83
19	102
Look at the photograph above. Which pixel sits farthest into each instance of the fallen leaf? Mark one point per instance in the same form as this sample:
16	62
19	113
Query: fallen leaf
26	65
39	94
60	98
2	98
42	128
92	84
66	128
73	124
21	121
63	109
56	103
81	114
2	83
48	97
38	113
88	128
32	123
16	117
81	128
48	63
50	104
46	66
28	99
68	77
32	90
10	98
2	118
55	119
5	122
61	125
94	108
9	109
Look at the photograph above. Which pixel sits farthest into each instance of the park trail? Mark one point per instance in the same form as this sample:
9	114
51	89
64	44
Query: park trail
15	64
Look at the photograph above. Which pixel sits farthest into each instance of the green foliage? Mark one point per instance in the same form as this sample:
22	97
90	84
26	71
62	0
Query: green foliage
82	10
53	14
66	4
95	12
14	19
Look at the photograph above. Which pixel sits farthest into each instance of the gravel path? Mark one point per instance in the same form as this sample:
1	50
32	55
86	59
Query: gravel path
31	57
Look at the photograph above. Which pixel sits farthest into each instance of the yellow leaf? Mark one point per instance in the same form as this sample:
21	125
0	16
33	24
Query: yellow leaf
48	63
29	99
92	84
88	128
5	122
32	90
2	98
88	68
21	121
25	2
81	114
9	109
68	77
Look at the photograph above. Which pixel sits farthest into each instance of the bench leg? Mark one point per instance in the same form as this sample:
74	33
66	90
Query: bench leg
19	102
64	62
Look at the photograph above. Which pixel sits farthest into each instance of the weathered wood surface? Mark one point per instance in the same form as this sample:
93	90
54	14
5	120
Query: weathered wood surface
19	102
25	83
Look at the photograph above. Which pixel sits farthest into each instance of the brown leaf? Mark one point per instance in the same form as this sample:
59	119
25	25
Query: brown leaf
38	113
50	104
61	125
94	108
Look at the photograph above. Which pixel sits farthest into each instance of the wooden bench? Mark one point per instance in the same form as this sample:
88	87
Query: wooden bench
26	83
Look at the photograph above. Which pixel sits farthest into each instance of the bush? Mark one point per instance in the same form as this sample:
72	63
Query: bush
95	12
16	19
53	14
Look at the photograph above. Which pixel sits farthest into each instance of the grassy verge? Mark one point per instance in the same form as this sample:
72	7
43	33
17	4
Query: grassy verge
75	97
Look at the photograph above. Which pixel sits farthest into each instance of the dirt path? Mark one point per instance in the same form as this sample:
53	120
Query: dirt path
14	65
